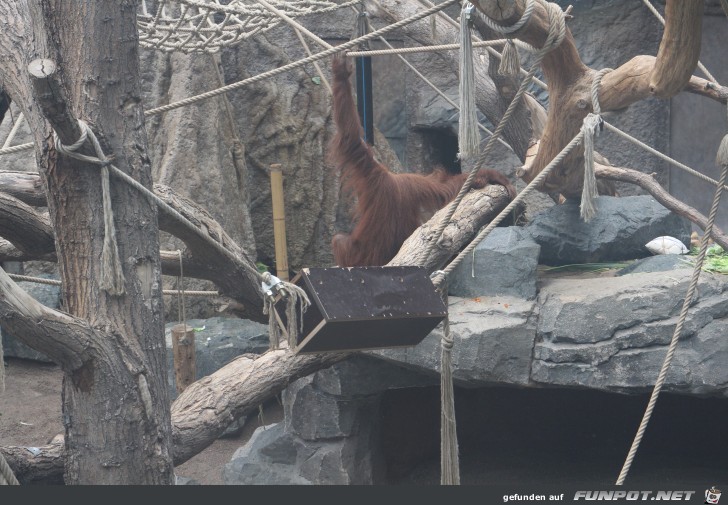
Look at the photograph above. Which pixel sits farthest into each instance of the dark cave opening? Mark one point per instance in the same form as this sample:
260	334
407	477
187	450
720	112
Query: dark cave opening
443	148
555	437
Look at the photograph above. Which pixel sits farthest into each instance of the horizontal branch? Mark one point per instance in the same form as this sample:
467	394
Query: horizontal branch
63	338
649	184
201	260
478	208
22	225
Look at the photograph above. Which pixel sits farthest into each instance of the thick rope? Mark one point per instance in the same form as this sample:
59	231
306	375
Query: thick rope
112	275
7	477
468	136
438	48
498	28
722	160
662	20
16	149
591	127
557	31
449	459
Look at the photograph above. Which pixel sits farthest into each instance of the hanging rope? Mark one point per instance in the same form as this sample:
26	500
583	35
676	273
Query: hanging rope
296	297
510	64
592	125
722	161
468	136
292	294
430	84
112	276
449	458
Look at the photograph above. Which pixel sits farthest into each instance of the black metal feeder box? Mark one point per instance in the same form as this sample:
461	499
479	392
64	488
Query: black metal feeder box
357	308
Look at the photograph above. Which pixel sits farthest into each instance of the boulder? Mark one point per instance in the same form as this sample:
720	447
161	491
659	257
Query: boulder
504	263
619	231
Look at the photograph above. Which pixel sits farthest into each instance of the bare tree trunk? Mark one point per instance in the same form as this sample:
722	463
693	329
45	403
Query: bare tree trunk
111	348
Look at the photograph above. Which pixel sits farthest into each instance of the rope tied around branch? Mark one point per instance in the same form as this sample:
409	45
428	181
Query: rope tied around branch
294	296
112	275
449	458
592	126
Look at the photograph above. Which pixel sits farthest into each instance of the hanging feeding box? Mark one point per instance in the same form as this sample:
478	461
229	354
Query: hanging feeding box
358	308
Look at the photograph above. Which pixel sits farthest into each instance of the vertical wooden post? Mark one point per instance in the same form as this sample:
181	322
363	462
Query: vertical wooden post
279	221
183	350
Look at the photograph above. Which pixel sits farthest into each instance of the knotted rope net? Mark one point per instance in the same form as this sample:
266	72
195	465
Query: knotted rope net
190	26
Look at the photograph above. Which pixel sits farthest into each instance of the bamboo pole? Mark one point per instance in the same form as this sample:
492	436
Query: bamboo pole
279	221
183	350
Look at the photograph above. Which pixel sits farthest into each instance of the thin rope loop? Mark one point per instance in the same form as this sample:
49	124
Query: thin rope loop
511	28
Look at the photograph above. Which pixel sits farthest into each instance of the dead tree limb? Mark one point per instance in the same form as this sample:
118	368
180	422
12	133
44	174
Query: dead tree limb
649	184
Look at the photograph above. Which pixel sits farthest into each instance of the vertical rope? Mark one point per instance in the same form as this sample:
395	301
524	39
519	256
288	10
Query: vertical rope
591	127
722	160
468	136
449	458
593	124
112	276
557	32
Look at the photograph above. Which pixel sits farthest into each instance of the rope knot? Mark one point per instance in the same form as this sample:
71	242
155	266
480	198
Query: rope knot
293	296
112	275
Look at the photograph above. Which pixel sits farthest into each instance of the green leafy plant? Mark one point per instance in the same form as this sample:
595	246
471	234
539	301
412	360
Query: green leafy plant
716	259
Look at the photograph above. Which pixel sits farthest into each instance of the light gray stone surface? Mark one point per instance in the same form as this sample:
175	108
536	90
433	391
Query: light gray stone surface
504	264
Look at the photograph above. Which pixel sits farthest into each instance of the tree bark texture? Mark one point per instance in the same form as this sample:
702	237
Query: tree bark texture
111	348
570	81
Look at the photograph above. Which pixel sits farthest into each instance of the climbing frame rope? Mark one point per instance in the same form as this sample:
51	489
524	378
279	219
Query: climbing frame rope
191	26
722	161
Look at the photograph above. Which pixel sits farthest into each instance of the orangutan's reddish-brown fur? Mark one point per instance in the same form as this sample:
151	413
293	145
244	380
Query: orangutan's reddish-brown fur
389	206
